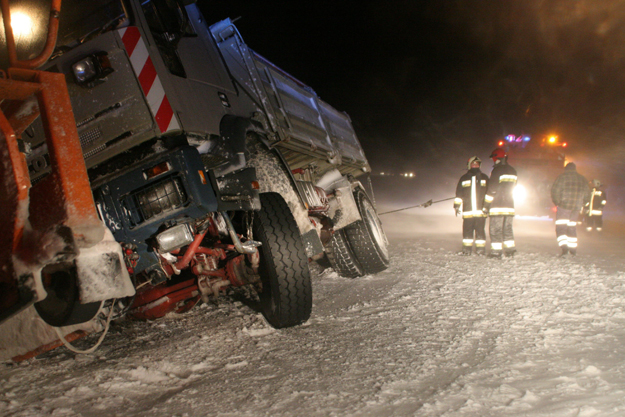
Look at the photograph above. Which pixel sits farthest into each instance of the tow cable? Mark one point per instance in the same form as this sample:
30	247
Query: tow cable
424	205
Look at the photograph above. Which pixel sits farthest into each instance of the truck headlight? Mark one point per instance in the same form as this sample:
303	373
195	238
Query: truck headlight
92	68
174	237
519	194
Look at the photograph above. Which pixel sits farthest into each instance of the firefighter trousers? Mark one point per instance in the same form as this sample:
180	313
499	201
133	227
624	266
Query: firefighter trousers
566	228
501	235
473	231
594	222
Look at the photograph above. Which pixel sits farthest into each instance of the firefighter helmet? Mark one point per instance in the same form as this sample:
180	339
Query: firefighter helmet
474	160
498	154
596	183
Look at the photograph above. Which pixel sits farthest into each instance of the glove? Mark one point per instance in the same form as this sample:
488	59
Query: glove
485	211
458	211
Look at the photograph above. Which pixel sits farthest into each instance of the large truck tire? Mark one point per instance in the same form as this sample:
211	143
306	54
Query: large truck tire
341	257
367	238
286	295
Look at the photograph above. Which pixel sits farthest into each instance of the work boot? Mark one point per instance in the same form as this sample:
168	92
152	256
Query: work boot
573	252
480	251
495	254
565	250
466	251
509	253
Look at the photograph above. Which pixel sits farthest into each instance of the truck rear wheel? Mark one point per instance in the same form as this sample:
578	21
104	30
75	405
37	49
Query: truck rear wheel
367	238
341	257
286	294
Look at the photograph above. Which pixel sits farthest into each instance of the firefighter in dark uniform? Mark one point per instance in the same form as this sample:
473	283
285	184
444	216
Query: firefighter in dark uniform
470	193
570	192
594	209
499	204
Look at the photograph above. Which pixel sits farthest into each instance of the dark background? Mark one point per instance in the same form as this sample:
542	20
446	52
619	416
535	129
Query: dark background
430	83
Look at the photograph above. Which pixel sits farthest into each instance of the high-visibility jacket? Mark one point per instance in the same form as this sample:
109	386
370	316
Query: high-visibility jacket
499	199
470	193
598	198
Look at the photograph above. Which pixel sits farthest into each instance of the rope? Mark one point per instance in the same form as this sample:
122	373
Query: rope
94	347
426	204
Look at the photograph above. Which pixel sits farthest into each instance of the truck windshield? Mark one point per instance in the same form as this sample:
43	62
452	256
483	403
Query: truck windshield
79	19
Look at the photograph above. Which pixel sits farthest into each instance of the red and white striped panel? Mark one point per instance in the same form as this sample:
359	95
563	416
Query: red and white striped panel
148	78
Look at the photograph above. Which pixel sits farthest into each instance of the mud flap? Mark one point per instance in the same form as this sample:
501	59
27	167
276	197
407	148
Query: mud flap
312	243
346	211
102	273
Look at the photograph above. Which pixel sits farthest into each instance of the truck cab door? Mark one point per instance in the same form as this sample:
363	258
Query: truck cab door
194	77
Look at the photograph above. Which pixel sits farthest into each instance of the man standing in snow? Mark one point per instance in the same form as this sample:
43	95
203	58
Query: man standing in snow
594	209
570	192
499	204
470	193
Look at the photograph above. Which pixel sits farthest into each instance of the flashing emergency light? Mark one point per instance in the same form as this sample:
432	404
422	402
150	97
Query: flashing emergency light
501	143
510	138
552	139
564	145
526	139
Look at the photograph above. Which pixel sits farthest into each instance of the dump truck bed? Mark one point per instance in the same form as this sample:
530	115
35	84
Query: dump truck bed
306	128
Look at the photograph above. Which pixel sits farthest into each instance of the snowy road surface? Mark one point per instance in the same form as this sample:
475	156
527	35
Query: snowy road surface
437	334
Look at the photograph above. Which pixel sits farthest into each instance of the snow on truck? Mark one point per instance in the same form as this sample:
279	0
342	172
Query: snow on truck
181	165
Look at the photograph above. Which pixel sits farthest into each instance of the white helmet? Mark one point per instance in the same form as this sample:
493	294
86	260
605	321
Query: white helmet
596	183
472	160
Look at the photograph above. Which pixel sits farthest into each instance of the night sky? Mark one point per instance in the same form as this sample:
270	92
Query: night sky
436	80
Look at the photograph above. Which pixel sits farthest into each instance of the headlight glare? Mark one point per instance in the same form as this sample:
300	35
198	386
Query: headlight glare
519	194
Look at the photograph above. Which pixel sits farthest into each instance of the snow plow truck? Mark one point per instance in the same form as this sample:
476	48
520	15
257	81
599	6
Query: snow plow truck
152	161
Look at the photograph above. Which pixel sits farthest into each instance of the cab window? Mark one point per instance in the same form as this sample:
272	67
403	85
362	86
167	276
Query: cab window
168	22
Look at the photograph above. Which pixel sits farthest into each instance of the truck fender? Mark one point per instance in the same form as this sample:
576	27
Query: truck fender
233	131
275	176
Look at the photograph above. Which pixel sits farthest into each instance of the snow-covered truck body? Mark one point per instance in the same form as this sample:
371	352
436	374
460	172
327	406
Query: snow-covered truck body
213	168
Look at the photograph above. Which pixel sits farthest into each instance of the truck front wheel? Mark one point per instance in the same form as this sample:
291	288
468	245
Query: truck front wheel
286	293
366	237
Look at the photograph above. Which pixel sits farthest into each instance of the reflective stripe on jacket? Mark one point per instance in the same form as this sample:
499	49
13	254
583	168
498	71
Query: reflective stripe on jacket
499	198
470	192
598	199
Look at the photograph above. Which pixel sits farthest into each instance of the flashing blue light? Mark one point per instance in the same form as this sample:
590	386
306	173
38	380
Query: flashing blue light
526	139
510	138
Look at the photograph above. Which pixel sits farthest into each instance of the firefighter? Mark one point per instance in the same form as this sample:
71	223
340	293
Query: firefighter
470	193
570	192
499	205
594	208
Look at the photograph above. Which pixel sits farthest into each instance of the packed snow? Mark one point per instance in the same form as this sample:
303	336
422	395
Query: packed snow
437	334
